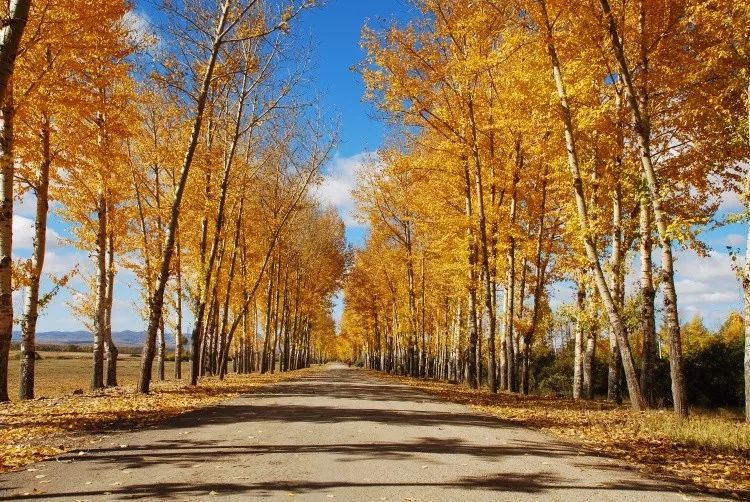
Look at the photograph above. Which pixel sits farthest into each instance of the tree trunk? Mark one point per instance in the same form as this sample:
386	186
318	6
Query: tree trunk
489	300
589	358
648	294
578	339
613	314
110	349
510	310
540	266
178	341
156	301
31	306
614	392
423	331
480	330
230	281
10	39
746	281
197	335
471	361
517	338
249	359
161	351
100	321
280	296
267	329
6	233
642	132
413	364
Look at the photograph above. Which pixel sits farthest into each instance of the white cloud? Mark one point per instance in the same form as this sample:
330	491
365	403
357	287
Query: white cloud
140	28
717	266
23	234
26	206
707	286
339	182
62	263
730	200
731	203
734	240
56	316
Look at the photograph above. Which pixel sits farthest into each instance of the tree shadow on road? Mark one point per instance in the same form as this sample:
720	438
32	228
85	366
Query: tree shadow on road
536	483
187	453
358	399
347	384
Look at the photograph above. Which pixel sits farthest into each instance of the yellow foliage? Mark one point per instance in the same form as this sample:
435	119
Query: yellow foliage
34	430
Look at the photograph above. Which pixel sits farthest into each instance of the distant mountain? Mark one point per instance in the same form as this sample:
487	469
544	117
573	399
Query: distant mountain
125	338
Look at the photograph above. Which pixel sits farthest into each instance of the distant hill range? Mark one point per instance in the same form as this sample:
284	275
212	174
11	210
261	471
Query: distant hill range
122	338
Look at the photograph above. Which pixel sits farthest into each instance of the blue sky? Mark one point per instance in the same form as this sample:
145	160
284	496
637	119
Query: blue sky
333	31
705	285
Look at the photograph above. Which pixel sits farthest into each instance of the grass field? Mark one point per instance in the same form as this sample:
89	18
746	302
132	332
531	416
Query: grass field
60	373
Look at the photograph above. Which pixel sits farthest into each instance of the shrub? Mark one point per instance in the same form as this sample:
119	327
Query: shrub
714	374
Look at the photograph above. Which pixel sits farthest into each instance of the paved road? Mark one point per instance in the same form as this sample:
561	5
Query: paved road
335	434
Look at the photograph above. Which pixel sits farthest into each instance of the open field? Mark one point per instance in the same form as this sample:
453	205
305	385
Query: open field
60	373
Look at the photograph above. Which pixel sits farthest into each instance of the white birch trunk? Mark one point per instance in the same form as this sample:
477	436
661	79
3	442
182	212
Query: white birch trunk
605	294
746	280
578	340
6	239
31	302
100	323
670	294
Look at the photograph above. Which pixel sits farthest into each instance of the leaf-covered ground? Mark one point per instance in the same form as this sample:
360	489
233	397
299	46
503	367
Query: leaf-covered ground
710	452
33	430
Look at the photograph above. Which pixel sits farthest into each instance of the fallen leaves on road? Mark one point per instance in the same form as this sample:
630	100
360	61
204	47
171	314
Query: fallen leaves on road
33	430
710	452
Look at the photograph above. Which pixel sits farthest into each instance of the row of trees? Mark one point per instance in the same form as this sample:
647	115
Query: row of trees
185	153
544	141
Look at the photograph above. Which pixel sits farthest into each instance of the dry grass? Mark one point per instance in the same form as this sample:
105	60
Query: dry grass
710	450
713	432
60	373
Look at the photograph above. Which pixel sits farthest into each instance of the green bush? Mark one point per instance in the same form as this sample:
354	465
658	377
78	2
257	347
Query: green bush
551	373
556	384
714	374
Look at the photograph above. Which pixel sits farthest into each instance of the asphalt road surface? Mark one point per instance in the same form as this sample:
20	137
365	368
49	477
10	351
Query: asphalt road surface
335	434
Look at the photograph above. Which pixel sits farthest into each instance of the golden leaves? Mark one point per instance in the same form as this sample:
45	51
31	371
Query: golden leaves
33	430
707	450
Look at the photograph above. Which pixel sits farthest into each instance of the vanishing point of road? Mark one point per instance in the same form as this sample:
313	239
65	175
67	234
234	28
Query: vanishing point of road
335	434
